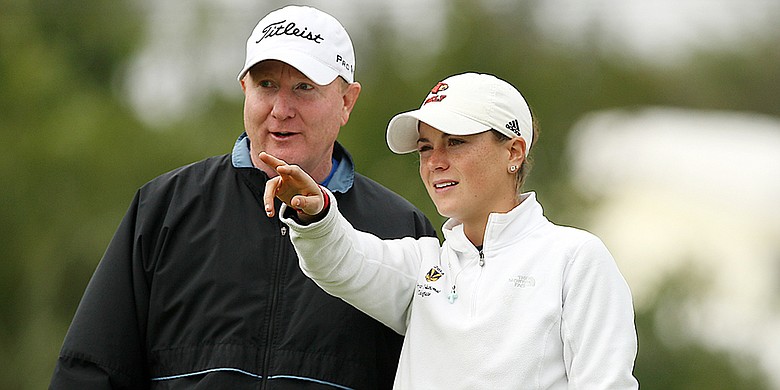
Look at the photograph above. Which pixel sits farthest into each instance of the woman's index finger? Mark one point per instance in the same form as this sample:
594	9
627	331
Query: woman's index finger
272	161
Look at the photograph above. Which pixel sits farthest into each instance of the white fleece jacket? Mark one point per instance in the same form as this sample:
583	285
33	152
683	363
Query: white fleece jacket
546	309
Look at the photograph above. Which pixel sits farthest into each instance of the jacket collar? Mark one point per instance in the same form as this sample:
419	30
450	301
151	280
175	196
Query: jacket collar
502	228
341	177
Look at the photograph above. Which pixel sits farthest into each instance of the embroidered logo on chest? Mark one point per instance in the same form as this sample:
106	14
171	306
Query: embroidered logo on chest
434	274
522	281
427	289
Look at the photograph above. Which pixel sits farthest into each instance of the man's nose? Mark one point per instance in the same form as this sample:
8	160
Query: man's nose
283	105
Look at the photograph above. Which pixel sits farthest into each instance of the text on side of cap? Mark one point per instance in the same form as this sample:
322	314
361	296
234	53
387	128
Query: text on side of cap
349	67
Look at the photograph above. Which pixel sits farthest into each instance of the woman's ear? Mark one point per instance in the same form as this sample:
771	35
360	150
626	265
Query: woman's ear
516	151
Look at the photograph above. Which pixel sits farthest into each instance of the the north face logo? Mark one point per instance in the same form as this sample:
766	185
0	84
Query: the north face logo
514	127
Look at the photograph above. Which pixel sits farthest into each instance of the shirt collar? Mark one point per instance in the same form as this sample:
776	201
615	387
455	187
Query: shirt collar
502	228
340	179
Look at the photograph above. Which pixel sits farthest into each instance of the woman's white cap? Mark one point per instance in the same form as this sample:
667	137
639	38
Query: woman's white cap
307	39
465	104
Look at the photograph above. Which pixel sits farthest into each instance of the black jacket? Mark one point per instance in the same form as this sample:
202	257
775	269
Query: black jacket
200	289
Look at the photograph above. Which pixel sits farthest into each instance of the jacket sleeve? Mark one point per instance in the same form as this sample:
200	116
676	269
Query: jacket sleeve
599	335
376	276
104	346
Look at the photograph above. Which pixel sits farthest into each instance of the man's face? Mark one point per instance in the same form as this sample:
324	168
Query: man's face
292	118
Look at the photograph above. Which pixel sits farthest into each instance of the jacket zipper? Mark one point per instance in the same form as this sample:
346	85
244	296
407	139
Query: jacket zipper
477	283
273	308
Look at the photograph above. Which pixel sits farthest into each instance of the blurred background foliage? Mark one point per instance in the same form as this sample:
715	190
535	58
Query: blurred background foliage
72	151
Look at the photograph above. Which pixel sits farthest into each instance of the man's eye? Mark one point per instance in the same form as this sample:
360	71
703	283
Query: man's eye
455	141
305	86
423	148
266	84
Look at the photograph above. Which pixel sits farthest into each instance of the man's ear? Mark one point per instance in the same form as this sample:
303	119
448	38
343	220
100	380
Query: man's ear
351	94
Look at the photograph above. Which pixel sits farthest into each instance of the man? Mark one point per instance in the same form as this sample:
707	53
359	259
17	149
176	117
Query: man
198	289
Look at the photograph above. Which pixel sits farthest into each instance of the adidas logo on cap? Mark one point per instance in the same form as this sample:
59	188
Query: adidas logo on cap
514	127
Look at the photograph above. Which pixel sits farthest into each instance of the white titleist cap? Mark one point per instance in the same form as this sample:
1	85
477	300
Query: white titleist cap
465	104
306	38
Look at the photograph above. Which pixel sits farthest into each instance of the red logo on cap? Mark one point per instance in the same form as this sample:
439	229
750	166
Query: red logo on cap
432	99
436	89
439	87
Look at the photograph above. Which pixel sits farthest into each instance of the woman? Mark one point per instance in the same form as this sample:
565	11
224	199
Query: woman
509	300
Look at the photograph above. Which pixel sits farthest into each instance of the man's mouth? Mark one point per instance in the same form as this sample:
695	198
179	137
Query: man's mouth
283	134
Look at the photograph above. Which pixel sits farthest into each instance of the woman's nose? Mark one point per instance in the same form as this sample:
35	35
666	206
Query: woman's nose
437	160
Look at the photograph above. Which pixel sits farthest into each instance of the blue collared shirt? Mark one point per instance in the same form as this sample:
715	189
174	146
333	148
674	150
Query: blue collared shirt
340	178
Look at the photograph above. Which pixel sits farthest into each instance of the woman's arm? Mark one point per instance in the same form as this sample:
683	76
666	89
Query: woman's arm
600	342
376	276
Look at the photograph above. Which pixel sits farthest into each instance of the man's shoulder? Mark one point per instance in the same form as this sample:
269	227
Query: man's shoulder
194	174
195	169
372	207
371	190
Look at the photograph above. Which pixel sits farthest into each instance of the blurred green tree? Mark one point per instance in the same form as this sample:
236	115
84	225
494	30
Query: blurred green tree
71	155
673	361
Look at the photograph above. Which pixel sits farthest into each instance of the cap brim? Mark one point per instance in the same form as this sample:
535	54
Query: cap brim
312	68
402	133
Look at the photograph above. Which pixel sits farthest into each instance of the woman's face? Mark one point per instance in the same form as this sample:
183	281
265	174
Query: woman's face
467	176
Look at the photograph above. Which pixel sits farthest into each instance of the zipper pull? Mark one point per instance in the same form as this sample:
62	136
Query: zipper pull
481	259
452	295
284	231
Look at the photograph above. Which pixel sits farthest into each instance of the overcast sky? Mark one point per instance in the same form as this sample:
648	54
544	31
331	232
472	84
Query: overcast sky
197	45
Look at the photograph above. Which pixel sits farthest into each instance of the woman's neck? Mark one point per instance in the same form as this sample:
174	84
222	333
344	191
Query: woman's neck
474	229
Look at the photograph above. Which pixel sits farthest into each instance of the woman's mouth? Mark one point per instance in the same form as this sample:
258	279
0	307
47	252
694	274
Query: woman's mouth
444	184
